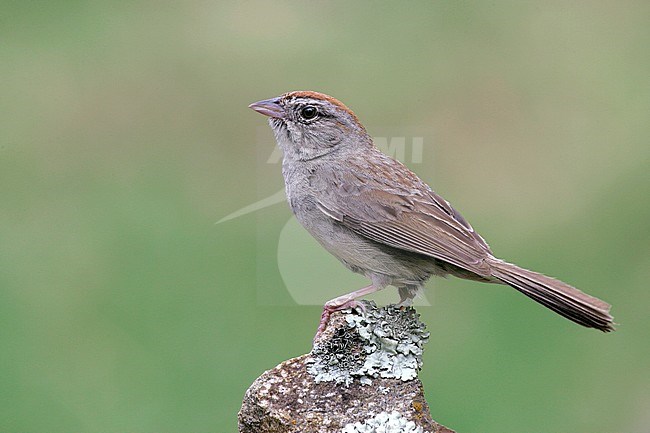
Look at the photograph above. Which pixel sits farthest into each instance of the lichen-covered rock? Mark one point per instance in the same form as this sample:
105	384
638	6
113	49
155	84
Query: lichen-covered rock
377	342
361	376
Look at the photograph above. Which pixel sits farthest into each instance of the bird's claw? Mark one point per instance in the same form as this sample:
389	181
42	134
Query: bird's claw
332	307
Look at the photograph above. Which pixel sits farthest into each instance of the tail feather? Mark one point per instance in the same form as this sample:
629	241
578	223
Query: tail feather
556	295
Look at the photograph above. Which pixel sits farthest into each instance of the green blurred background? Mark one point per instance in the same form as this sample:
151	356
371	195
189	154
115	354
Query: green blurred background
125	135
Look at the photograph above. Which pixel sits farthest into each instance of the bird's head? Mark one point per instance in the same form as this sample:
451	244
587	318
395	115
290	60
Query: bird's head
308	125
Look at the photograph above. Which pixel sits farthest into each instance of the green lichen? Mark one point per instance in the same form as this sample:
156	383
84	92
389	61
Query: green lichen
382	342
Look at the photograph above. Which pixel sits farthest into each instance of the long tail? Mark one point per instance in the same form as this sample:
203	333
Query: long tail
556	295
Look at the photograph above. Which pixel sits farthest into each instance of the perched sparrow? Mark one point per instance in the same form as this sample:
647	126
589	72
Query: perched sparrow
380	220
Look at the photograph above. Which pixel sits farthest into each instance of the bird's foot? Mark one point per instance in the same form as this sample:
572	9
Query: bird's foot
329	308
332	307
341	303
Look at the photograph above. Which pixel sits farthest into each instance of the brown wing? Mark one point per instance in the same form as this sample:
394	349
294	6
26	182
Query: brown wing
382	200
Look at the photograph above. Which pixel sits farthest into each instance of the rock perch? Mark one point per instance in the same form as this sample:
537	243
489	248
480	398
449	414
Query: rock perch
360	377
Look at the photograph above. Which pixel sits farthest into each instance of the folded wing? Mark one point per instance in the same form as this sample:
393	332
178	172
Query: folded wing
402	213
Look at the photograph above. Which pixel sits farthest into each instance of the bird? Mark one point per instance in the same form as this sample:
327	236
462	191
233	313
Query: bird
379	219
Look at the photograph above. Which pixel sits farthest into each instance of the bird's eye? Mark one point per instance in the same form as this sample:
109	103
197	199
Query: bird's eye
308	112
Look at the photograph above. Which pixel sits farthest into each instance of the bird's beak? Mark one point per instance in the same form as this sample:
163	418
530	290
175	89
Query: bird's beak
269	107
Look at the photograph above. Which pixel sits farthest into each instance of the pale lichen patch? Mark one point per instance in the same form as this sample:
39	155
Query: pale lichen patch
384	422
385	342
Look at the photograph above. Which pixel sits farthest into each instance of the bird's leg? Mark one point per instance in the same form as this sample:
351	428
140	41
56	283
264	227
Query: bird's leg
348	300
406	295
